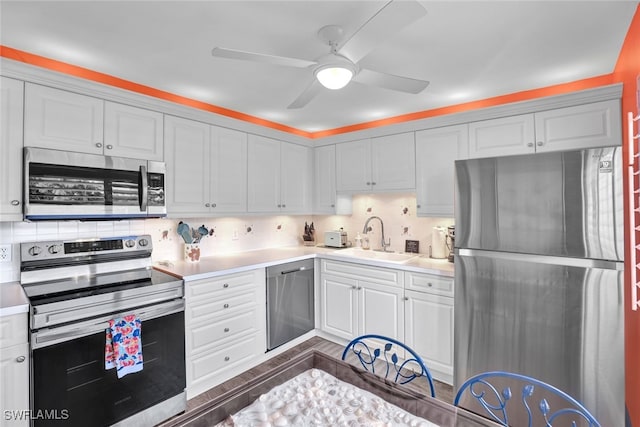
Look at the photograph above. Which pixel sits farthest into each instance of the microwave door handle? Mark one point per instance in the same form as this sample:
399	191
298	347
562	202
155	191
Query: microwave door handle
145	188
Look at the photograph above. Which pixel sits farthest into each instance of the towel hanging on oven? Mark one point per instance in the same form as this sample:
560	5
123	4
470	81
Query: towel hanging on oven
123	349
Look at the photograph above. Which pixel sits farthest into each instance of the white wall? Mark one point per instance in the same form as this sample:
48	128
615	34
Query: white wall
397	210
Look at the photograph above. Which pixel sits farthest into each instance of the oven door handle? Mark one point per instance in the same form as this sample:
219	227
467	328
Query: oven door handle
50	336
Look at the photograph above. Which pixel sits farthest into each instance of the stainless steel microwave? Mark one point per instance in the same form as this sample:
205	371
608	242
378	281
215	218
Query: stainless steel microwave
68	185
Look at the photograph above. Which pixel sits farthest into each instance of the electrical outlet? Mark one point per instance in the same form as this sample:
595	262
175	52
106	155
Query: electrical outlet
5	253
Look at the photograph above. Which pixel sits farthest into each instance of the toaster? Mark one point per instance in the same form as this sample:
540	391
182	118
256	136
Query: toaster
335	239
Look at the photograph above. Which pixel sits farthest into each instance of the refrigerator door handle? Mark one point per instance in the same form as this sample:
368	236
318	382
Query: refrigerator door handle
545	259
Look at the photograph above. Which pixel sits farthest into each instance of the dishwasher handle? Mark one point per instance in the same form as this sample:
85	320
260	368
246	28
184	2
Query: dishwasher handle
295	270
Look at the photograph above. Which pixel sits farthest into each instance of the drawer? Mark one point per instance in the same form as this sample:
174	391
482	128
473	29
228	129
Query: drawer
201	310
204	336
383	276
232	283
429	283
13	329
203	367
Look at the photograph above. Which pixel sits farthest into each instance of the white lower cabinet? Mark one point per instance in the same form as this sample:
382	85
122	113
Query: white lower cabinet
14	370
357	300
429	321
225	327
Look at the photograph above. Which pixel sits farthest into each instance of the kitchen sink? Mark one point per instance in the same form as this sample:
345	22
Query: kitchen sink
395	257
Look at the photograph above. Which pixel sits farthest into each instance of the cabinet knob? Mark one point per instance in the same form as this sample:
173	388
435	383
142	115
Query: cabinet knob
15	202
227	358
207	205
99	144
359	287
333	206
226	285
20	359
109	147
284	206
226	329
214	205
373	183
540	143
226	306
418	206
529	144
354	287
429	284
368	183
279	206
406	298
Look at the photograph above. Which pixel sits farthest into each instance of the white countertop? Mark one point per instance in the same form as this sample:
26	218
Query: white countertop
12	299
219	265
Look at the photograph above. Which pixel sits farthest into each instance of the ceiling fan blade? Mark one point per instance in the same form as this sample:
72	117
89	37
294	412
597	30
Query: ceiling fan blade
259	57
392	18
390	81
307	95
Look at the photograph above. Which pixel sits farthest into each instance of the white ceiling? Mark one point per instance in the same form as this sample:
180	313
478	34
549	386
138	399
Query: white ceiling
467	50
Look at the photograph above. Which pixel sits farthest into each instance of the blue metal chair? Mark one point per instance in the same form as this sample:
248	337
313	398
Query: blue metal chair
411	368
497	404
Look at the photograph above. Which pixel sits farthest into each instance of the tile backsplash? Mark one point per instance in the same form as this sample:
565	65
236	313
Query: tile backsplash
235	234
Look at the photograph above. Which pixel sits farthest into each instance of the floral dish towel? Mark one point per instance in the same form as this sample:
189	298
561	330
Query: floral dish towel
123	349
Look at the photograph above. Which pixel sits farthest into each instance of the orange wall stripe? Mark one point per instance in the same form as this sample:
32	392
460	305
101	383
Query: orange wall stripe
62	67
87	74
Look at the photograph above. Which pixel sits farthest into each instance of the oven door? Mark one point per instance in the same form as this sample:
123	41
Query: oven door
71	387
67	185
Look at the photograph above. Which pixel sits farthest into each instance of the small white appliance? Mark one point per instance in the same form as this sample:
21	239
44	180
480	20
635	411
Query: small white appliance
335	239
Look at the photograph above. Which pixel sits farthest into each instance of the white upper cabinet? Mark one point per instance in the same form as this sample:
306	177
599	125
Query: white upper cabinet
11	124
436	151
206	168
68	121
583	126
132	132
376	164
279	176
596	124
324	179
63	120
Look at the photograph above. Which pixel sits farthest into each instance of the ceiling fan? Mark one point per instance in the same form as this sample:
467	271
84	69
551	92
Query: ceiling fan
336	69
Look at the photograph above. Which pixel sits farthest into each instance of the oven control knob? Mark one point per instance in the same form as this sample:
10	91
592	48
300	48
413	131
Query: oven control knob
35	250
130	243
143	242
55	249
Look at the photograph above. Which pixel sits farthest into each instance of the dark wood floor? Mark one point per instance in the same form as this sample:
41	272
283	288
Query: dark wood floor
444	391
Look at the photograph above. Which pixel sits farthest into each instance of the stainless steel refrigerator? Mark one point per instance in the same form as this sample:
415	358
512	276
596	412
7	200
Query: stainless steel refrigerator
539	273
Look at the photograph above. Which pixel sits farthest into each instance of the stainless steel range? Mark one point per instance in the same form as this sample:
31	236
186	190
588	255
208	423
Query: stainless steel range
75	288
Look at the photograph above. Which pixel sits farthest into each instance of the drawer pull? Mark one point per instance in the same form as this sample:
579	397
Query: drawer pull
227	358
226	306
226	329
15	202
226	285
20	359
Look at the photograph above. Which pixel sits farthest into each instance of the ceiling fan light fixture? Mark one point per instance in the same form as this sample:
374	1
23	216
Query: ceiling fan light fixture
334	77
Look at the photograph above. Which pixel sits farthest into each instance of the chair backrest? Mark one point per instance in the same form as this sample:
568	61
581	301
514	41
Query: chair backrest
369	354
498	405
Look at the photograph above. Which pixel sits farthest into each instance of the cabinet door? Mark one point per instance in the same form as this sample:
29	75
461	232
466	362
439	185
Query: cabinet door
228	171
11	109
295	178
62	120
325	180
584	126
14	383
429	331
380	310
436	151
502	137
353	166
338	305
132	132
263	192
393	165
188	153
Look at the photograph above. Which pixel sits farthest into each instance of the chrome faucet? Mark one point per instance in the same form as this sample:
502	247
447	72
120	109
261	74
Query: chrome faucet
365	229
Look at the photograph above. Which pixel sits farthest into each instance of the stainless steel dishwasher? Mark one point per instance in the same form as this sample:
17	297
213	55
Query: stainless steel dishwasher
290	305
